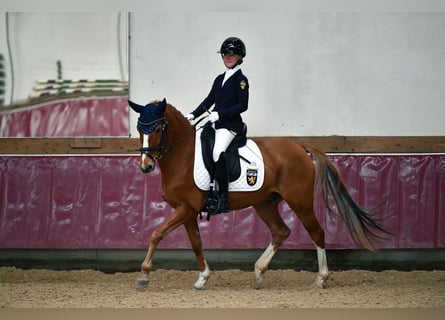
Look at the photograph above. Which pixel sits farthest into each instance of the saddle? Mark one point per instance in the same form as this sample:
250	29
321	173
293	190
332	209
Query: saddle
232	152
243	157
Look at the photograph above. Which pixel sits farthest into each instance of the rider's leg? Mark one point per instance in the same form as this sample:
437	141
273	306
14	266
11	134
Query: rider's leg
223	138
222	176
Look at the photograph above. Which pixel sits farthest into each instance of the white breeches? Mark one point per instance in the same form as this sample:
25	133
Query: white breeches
223	138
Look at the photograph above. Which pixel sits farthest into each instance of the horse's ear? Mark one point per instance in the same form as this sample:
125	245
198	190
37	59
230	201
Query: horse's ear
162	106
136	107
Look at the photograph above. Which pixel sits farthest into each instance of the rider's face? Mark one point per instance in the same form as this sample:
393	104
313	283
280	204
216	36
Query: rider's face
230	60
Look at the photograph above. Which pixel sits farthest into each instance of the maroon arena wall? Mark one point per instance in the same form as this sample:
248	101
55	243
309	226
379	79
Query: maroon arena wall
89	117
85	202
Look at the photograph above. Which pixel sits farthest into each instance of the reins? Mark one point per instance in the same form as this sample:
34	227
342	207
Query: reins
160	147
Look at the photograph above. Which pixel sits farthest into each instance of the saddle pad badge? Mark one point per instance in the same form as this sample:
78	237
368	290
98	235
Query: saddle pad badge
251	176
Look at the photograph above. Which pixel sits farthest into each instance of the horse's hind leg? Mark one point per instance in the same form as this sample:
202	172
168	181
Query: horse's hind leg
268	212
323	271
316	232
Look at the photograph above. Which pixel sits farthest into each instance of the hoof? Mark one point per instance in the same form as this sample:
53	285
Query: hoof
198	287
259	282
319	283
200	284
141	284
203	277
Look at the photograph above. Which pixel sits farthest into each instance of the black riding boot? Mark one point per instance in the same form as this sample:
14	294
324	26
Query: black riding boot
222	176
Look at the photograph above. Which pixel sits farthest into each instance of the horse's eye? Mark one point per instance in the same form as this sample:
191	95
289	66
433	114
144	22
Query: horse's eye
158	130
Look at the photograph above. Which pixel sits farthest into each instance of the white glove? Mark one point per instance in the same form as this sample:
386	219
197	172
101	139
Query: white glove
213	116
190	117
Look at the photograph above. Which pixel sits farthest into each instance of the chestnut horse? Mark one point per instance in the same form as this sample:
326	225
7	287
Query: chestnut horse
292	172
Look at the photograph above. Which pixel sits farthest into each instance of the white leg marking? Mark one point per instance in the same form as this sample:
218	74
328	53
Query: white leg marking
323	271
203	277
262	264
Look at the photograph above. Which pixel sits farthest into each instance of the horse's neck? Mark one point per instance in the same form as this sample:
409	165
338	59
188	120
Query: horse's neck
181	141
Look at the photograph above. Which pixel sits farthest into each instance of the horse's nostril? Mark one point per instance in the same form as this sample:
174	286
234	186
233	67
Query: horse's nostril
147	169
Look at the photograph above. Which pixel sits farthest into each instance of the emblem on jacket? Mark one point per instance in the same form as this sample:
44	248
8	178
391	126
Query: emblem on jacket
242	84
251	176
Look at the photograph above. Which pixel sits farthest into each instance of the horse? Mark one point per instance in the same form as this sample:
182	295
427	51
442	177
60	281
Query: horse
294	173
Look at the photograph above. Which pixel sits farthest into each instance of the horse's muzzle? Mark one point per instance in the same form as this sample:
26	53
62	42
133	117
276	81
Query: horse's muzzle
147	168
148	161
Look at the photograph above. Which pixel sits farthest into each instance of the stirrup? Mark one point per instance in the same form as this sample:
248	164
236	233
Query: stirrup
223	204
216	204
212	203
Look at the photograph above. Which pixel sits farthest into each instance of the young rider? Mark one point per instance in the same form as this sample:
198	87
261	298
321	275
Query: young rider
230	95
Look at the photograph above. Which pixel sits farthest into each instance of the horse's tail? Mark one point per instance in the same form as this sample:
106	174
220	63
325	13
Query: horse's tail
364	229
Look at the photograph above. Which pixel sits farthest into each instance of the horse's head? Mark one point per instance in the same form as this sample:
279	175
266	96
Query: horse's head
152	127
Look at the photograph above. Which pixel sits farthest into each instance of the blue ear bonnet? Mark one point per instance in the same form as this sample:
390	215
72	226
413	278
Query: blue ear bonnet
150	115
149	119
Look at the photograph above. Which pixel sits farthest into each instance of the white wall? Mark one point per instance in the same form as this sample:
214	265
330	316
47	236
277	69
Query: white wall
317	73
90	45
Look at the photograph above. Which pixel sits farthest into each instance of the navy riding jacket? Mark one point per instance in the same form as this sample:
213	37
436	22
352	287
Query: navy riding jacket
230	101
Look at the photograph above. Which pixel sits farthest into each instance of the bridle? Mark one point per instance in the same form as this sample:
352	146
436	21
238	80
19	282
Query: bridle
160	148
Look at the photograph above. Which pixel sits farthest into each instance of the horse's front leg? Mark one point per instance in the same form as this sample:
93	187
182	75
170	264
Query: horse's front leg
195	240
268	212
178	217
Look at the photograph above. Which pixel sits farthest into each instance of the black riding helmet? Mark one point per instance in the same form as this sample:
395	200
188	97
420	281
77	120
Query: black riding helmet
233	45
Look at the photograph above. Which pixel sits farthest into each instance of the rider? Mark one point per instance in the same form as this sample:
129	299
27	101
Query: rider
230	94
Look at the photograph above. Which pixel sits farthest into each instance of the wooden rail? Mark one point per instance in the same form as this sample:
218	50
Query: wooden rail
123	145
374	144
69	146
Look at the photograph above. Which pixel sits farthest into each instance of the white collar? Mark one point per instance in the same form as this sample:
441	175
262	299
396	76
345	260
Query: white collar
230	72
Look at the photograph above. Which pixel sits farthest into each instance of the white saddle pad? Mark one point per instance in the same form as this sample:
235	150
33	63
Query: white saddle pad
252	174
